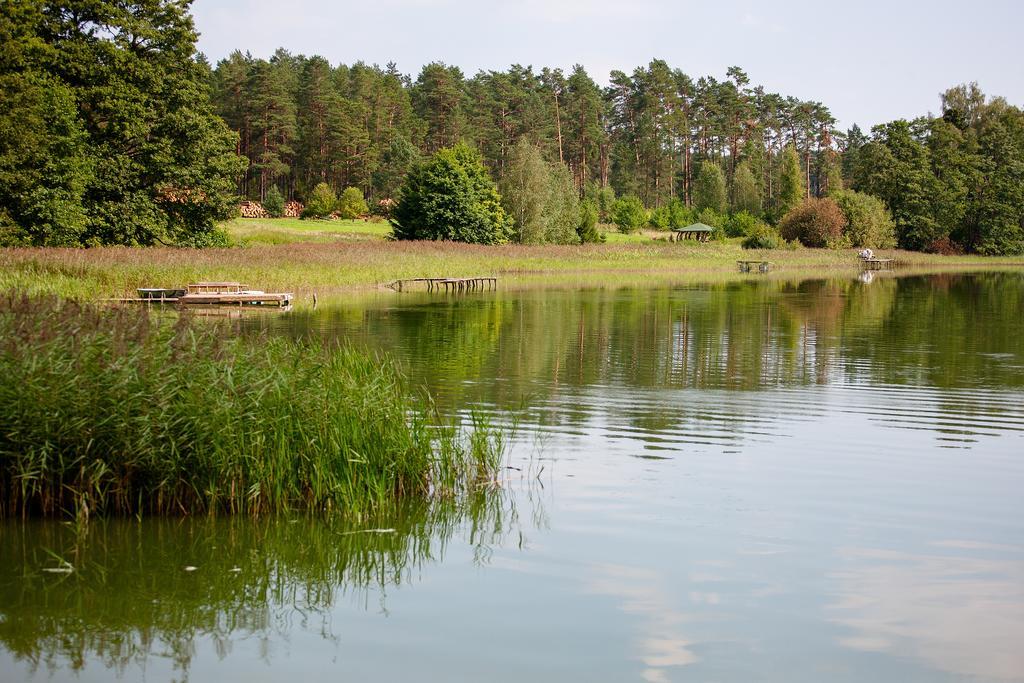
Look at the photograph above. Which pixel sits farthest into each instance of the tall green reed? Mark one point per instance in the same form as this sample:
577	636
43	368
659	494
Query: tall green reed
113	410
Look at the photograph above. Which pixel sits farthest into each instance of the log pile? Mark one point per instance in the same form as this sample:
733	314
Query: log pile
249	209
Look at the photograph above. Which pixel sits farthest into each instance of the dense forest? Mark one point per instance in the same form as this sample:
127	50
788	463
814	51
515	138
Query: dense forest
302	121
115	131
953	181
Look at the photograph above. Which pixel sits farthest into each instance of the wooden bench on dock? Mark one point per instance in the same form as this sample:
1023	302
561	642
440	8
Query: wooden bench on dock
453	284
747	266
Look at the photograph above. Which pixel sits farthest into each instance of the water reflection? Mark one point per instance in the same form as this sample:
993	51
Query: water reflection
962	614
154	590
938	350
642	593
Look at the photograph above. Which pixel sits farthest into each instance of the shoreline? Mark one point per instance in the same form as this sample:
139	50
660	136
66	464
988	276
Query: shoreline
367	265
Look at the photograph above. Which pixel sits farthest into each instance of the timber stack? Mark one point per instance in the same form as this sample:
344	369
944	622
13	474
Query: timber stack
248	209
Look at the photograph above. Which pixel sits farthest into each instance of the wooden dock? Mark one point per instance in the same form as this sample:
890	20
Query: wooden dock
748	266
877	263
211	294
450	284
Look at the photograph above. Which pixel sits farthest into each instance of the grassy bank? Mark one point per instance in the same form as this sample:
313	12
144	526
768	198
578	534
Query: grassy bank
267	231
339	265
111	410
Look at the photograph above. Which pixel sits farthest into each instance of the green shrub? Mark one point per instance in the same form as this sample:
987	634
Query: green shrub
352	205
661	218
321	202
629	214
679	215
762	237
741	224
273	203
815	223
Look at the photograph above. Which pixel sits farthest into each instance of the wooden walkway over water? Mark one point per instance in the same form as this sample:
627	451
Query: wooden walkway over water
450	284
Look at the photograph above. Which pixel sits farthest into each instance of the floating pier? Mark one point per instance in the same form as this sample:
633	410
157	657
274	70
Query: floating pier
211	294
450	284
748	266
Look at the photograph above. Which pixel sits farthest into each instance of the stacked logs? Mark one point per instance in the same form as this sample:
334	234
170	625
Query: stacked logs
249	209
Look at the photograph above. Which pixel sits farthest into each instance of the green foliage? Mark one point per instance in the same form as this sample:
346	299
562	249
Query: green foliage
661	218
588	223
713	218
629	214
762	236
397	160
895	167
995	219
746	194
524	190
868	222
563	207
679	215
830	173
451	197
44	167
709	188
351	204
741	224
120	144
193	420
815	223
540	197
273	203
791	182
321	202
603	198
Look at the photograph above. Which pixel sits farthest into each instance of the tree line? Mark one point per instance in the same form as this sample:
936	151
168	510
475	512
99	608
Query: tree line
117	132
301	122
656	136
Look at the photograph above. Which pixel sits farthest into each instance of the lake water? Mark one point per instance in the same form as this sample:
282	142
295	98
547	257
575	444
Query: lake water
754	481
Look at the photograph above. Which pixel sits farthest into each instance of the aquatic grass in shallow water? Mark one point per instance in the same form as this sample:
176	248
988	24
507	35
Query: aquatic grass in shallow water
117	411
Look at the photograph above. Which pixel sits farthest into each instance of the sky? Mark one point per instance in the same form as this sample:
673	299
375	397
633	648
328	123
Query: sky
869	61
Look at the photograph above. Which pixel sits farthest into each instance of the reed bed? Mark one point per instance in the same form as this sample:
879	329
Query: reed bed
112	410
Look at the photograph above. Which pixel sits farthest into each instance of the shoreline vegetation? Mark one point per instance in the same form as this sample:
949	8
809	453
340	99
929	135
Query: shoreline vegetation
114	411
362	260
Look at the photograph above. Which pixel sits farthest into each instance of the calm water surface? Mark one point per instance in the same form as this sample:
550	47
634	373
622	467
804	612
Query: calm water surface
814	481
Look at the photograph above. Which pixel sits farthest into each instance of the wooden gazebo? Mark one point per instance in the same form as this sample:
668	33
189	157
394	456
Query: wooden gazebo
697	231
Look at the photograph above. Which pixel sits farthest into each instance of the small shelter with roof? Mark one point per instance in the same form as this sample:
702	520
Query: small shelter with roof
696	231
